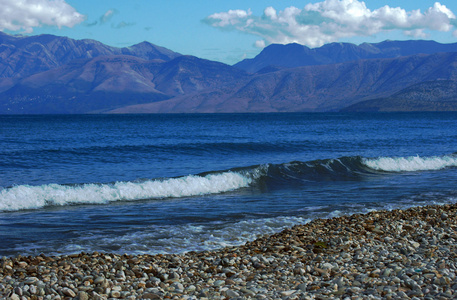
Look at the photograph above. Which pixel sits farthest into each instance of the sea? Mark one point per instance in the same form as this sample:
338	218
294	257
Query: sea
174	183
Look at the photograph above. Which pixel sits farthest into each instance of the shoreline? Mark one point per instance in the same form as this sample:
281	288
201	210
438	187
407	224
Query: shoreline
410	253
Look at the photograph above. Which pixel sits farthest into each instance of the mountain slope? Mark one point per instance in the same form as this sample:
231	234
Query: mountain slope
313	88
439	95
108	82
295	55
189	74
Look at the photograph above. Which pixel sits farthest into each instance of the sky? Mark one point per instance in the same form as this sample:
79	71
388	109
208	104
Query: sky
229	31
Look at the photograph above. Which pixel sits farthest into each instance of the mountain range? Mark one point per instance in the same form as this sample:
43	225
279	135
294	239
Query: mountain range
295	55
50	74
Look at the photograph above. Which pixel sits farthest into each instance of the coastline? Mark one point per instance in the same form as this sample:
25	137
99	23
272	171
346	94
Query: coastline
409	253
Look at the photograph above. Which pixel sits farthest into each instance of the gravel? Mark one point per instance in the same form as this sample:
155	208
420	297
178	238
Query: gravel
399	254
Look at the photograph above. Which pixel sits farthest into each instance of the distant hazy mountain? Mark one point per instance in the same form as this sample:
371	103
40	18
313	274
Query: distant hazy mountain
50	74
314	88
24	56
295	55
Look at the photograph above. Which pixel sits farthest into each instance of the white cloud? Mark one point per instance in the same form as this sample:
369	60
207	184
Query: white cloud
416	33
331	20
107	16
230	18
260	44
270	12
24	15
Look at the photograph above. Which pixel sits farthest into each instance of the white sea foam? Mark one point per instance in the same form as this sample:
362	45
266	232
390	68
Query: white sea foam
163	239
411	164
32	197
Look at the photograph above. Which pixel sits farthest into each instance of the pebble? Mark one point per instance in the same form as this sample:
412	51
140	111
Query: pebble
231	294
219	283
247	292
83	296
68	292
99	280
398	254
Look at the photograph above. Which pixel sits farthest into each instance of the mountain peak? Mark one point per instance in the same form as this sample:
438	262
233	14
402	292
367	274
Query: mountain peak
149	51
34	54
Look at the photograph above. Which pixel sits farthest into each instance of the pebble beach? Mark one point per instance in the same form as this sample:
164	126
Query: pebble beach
398	254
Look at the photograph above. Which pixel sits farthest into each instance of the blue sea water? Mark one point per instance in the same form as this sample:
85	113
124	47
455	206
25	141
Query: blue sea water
176	183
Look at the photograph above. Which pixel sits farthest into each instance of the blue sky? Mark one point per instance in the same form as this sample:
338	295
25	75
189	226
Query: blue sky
229	31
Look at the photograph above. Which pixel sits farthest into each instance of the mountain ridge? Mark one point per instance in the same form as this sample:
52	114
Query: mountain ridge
51	74
295	55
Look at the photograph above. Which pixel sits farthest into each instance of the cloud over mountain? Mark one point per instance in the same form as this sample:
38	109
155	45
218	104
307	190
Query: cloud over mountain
331	20
26	14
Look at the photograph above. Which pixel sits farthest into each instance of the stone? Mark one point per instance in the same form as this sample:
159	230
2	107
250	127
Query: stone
231	294
120	276
18	291
68	292
219	283
97	296
99	280
191	288
30	280
415	244
83	295
247	292
327	266
288	293
115	294
173	276
178	287
33	290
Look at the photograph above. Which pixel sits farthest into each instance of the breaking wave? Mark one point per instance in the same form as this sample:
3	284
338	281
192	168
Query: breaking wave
33	197
23	197
411	164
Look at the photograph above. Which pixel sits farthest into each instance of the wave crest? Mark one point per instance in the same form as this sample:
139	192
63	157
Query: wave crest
34	197
410	164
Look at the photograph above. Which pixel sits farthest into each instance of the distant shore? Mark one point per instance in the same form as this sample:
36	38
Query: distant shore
397	254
